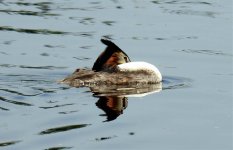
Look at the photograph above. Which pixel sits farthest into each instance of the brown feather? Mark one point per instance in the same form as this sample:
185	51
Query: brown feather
110	58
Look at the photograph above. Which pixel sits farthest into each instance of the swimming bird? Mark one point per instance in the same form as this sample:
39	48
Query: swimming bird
114	67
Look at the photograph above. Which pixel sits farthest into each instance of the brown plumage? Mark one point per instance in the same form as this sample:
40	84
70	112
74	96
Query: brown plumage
105	71
110	57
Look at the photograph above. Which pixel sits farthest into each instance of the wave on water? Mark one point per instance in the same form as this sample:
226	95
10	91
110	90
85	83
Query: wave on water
172	82
206	52
8	143
62	129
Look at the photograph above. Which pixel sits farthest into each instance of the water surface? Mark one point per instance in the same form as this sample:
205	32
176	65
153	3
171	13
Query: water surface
190	41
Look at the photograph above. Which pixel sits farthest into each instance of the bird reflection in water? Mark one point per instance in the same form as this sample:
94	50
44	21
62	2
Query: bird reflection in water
113	100
113	106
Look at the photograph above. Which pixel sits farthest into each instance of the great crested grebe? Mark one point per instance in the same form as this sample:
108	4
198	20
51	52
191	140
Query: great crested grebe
113	67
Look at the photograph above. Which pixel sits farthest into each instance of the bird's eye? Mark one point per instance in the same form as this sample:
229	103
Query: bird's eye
126	59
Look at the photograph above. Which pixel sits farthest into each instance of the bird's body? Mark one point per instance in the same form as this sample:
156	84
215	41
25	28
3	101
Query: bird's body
113	67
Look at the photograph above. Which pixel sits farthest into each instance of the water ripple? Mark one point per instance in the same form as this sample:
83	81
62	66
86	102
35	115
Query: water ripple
170	82
33	31
8	143
42	67
56	106
81	8
84	20
206	51
58	148
31	4
5	109
105	138
44	8
82	58
185	7
32	67
63	129
18	93
68	112
27	12
54	46
46	31
44	90
4	53
192	12
7	65
109	23
14	102
180	2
